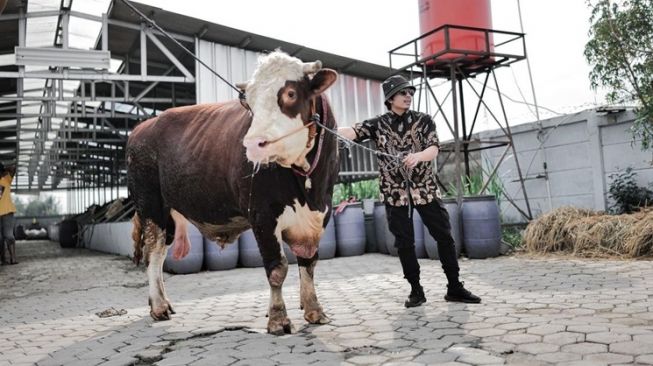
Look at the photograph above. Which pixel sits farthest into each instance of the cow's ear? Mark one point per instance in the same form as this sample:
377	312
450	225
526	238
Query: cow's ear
322	80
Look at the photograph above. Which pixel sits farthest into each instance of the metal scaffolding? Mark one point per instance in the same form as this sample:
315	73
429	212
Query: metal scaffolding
500	49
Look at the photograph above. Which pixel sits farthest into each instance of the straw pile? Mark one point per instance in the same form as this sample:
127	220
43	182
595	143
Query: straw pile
590	233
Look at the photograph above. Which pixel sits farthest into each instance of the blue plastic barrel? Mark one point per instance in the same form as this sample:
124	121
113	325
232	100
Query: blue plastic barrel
384	238
250	256
327	249
481	227
192	263
350	231
218	259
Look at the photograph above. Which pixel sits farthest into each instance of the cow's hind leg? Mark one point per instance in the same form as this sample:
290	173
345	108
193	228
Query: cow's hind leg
276	268
154	237
313	312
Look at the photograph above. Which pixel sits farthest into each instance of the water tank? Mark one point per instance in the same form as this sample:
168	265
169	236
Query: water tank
469	13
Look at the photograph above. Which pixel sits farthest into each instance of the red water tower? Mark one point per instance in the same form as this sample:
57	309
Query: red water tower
455	42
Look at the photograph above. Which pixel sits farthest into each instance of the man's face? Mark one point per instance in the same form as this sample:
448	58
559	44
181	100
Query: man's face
402	99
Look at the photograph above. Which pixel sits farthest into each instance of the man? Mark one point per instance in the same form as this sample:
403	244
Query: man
7	210
410	144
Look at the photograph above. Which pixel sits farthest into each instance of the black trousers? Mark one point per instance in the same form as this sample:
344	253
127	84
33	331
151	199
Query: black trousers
436	219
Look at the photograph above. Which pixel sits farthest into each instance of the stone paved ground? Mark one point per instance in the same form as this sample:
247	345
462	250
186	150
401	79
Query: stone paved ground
534	312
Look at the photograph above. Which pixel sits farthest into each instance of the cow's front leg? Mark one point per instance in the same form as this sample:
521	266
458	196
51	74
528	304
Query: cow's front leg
154	236
313	312
276	268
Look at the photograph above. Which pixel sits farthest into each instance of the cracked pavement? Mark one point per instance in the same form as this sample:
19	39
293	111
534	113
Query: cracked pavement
535	311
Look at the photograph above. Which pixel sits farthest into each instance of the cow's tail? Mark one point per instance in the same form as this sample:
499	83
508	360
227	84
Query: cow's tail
137	236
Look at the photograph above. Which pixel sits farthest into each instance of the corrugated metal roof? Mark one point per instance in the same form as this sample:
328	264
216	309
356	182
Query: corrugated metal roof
190	27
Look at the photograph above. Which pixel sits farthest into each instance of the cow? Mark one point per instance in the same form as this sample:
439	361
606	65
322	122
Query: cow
228	167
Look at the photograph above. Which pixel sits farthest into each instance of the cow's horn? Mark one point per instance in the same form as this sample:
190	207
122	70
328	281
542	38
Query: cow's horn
242	86
312	67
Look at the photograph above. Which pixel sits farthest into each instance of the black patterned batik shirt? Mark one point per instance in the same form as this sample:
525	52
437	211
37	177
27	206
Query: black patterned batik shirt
412	132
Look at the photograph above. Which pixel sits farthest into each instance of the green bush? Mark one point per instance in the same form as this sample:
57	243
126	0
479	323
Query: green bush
512	235
359	190
627	196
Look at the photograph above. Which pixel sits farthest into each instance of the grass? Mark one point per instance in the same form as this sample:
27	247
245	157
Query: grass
512	235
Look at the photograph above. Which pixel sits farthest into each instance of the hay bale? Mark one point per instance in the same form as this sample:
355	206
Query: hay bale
639	240
548	233
588	233
600	236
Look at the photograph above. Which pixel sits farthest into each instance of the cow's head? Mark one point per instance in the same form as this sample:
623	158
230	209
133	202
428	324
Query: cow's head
280	94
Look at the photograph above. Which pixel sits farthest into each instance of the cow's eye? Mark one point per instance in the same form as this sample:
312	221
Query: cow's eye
291	94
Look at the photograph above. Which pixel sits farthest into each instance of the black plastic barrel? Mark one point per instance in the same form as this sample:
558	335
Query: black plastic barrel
250	256
384	238
481	227
350	231
68	233
191	263
327	249
218	259
431	244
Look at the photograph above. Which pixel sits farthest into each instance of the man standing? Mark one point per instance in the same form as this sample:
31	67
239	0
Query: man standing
7	210
409	142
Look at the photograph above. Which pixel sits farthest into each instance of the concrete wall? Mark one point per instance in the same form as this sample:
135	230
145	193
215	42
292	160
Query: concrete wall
580	150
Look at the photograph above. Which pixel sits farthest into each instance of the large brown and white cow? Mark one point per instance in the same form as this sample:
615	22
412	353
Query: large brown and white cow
225	171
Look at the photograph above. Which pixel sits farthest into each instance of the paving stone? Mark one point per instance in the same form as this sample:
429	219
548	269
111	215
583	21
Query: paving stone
487	332
546	329
643	338
607	337
630	348
585	348
435	358
645	359
536	348
521	338
610	358
367	360
480	359
557	357
563	338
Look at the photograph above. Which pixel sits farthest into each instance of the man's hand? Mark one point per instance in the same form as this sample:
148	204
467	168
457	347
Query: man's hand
411	160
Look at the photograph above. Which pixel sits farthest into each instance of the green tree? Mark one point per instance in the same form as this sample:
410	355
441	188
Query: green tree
620	51
36	207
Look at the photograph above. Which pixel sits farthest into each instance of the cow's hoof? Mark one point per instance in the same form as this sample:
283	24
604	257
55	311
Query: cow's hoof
280	328
162	312
316	317
160	316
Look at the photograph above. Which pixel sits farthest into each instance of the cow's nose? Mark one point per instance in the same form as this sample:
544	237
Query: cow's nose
255	143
